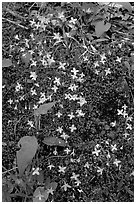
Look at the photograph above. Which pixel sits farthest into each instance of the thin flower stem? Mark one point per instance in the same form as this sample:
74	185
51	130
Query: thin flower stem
7	171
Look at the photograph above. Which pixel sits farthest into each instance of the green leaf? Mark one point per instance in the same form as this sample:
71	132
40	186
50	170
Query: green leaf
26	58
100	28
28	150
54	141
43	108
6	62
40	195
47	182
53	185
126	5
5	194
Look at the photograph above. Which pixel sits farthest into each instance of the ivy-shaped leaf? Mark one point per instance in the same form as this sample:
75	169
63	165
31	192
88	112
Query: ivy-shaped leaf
54	141
100	28
43	108
6	62
126	5
25	155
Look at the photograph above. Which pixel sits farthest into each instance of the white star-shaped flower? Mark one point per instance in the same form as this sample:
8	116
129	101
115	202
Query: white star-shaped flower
36	84
10	101
31	52
103	57
42	94
22	49
87	165
82	75
50	166
73	153
74	71
74	97
55	151
64	136
129	126
18	87
61	16
33	63
67	96
67	150
73	87
107	71
74	176
96	152
113	124
125	134
60	129
54	88
22	98
66	186
71	115
16	37
33	75
35	106
15	108
57	81
50	61
42	100
85	58
100	170
32	22
72	20
32	35
72	128
102	61
96	64
120	112
77	182
113	147
80	113
36	171
108	155
33	92
49	97
57	37
68	35
50	191
59	114
116	162
82	101
129	118
120	45
74	76
62	65
80	79
118	59
26	43
97	71
124	114
124	107
37	25
31	124
62	169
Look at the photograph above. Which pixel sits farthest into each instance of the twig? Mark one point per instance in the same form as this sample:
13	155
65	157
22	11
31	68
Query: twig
15	23
17	123
14	13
